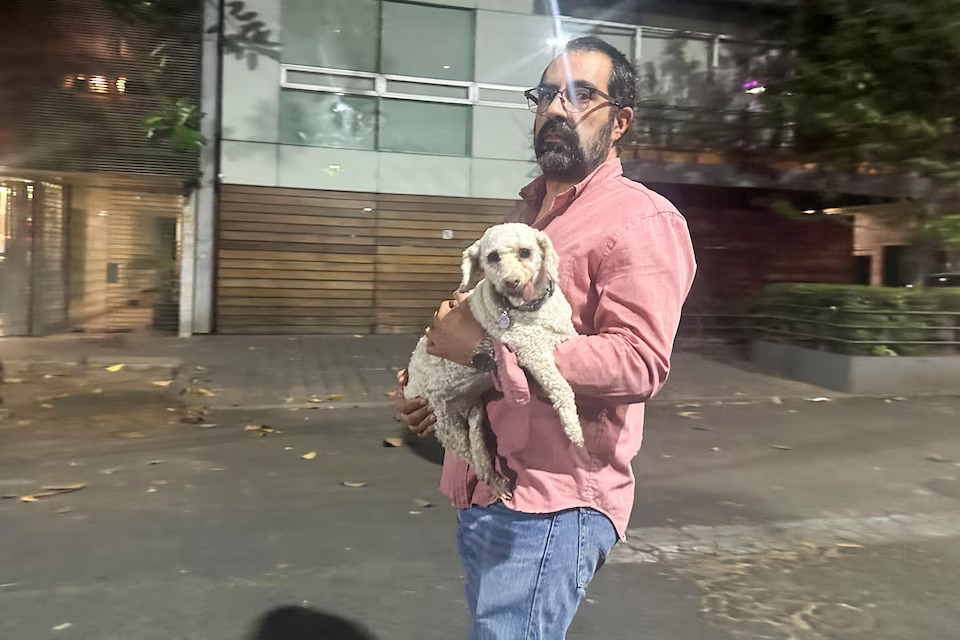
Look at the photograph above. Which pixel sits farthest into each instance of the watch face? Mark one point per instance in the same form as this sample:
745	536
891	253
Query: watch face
484	362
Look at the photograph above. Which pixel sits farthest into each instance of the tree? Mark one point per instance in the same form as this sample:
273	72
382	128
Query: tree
876	86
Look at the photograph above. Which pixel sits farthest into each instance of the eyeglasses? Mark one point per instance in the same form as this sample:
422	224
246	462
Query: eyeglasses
574	99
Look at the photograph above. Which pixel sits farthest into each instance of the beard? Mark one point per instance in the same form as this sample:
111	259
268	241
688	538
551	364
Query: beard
568	157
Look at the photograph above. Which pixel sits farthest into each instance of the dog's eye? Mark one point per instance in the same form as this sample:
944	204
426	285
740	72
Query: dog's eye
493	257
524	253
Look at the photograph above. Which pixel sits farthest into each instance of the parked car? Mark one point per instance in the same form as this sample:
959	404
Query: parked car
943	280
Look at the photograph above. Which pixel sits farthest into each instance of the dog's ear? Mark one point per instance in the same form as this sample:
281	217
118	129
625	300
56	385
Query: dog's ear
470	267
551	261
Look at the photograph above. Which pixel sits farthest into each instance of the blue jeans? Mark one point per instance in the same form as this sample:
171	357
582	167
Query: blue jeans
526	574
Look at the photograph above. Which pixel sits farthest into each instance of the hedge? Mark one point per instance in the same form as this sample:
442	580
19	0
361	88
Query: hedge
861	320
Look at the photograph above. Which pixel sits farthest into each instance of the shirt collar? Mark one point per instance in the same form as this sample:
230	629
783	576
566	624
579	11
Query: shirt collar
534	192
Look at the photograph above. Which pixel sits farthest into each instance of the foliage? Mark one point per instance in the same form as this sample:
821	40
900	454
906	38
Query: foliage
179	123
860	320
878	84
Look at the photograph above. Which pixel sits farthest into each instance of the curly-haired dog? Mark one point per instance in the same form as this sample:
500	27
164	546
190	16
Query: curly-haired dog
510	275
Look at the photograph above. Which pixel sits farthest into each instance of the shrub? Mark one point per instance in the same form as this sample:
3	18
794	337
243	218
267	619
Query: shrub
861	320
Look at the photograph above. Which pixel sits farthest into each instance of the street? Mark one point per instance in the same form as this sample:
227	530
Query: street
753	519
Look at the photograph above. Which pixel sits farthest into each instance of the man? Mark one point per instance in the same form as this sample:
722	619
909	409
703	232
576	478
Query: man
626	267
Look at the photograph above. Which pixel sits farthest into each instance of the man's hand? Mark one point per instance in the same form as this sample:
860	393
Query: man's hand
454	333
416	413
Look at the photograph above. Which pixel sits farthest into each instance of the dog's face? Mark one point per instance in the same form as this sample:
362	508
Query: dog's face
516	259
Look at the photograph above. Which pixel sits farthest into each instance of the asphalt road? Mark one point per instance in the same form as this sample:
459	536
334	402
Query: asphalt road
187	532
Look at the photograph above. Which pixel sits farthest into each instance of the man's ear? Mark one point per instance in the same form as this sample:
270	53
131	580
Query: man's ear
470	267
622	122
550	263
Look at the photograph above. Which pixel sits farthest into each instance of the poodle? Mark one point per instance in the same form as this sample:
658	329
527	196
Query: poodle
510	277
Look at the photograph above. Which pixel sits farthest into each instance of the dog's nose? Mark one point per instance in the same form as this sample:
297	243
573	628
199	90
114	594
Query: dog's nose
513	284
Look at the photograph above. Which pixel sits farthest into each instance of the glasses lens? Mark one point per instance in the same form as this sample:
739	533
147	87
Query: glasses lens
578	98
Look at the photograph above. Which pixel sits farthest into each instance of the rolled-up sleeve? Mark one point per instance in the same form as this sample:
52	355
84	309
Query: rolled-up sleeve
642	284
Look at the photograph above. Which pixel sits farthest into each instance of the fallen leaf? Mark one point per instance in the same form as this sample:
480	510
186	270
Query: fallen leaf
153	462
701	428
288	399
288	448
206	392
61	627
65	488
393	442
693	415
152	490
209	425
414	513
714	448
334	397
9	496
817	399
131	434
7	585
109	472
158	483
357	335
354	485
163	383
781	447
14	380
391	394
27	499
849	545
936	457
98	391
47	406
683	405
252	348
309	456
115	367
423	504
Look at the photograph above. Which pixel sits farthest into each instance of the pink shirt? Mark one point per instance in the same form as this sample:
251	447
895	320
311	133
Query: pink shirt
626	265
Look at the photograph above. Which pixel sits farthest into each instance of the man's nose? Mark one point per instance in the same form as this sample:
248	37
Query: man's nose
555	108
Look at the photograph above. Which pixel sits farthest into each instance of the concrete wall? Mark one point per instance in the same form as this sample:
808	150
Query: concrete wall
860	374
512	44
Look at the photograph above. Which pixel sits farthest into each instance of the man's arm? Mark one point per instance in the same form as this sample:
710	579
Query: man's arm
642	284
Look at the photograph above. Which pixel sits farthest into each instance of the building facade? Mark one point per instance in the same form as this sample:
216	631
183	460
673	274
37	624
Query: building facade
90	211
371	141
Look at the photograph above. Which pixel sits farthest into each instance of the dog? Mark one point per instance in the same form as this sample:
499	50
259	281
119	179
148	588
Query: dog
510	277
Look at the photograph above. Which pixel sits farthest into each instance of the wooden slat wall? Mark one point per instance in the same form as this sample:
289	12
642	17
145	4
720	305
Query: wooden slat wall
416	267
306	261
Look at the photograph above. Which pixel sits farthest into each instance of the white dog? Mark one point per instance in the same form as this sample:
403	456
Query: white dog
510	275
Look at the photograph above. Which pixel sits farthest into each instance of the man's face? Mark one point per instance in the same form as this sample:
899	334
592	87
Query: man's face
570	144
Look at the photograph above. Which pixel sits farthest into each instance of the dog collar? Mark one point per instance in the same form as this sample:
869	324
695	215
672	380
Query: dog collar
503	321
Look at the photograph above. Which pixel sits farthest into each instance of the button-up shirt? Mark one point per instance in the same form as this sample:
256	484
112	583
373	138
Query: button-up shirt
626	265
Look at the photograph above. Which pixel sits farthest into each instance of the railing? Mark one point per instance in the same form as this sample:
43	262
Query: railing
881	333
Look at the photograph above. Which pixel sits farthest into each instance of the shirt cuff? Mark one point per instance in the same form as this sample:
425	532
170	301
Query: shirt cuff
510	379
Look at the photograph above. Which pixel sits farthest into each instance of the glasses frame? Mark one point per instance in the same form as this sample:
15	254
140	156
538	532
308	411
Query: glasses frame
533	102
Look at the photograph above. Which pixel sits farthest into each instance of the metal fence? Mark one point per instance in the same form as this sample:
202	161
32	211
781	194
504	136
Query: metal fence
854	332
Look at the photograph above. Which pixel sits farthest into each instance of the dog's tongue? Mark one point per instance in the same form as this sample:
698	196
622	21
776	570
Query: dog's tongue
527	292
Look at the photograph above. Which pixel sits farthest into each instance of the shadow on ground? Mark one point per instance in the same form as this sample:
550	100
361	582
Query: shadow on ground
303	623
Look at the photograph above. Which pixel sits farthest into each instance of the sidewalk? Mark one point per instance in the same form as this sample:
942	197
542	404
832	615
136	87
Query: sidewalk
263	372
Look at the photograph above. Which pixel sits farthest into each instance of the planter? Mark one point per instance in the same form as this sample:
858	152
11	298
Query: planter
880	375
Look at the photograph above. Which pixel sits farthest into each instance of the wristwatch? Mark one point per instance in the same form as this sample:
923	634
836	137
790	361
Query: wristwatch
483	358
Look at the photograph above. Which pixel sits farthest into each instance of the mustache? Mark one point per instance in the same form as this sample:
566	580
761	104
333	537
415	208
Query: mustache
559	128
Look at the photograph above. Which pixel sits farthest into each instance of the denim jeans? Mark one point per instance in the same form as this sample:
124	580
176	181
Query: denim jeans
526	573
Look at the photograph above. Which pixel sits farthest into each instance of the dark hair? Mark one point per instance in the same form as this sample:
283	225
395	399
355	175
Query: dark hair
623	77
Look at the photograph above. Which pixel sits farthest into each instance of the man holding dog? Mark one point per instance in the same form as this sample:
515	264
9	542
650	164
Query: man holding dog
626	266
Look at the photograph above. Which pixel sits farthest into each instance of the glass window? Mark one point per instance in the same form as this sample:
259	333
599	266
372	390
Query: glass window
339	34
674	70
621	39
327	119
424	127
428	42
